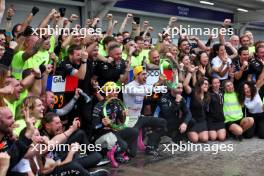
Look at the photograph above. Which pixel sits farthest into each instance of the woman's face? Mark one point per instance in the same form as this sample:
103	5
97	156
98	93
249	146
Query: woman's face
36	136
204	59
229	87
247	90
77	39
186	61
205	86
38	109
216	84
221	50
174	50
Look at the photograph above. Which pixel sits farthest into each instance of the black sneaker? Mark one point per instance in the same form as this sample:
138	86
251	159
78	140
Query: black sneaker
150	150
100	172
239	138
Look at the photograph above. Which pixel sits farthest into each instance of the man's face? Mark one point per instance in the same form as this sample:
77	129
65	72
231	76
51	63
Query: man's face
185	47
17	89
260	53
142	77
2	51
116	54
140	44
31	41
55	126
126	35
234	40
130	44
178	90
94	53
50	99
119	39
154	58
245	41
146	44
244	56
76	57
6	120
38	109
2	39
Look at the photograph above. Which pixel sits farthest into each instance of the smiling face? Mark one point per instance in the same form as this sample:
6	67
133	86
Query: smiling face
222	50
204	59
6	121
154	57
38	109
55	126
17	89
205	86
186	61
142	77
247	91
216	84
185	47
116	53
229	87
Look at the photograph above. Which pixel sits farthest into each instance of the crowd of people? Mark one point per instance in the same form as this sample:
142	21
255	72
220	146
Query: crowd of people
216	92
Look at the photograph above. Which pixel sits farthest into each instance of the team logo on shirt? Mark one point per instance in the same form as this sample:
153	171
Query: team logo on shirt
105	67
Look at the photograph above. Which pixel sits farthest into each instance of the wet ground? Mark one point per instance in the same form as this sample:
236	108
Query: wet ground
246	159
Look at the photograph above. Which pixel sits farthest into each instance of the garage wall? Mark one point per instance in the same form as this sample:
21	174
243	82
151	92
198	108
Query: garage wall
159	23
24	7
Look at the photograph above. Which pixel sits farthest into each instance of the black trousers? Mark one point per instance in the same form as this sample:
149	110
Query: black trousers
69	169
258	127
157	125
91	158
85	110
173	124
127	139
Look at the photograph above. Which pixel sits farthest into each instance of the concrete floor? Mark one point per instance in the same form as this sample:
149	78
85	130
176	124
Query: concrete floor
245	160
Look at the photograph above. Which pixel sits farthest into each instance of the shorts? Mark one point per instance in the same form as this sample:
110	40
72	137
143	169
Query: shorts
228	124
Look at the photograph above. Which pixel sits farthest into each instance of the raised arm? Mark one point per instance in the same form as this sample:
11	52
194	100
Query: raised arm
124	23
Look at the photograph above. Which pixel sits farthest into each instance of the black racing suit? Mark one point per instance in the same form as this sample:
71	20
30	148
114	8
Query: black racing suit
126	137
175	114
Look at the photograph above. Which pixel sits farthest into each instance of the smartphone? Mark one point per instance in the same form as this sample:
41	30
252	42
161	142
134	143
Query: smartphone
193	45
62	11
136	19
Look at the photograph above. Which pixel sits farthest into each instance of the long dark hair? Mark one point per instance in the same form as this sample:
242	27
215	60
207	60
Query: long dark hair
241	93
198	91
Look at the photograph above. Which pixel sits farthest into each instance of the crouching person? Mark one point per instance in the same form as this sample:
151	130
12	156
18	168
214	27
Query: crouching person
235	123
174	109
109	117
